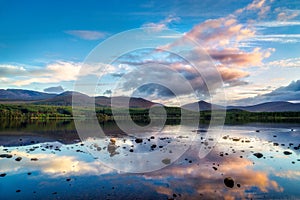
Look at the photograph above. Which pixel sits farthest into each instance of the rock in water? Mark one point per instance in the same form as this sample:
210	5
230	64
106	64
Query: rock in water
138	140
229	182
258	155
166	161
18	159
113	140
287	153
5	156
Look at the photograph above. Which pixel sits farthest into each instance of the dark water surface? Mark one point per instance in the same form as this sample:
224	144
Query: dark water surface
46	160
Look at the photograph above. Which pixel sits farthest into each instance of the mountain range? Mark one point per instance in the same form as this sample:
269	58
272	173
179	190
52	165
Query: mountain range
65	99
277	106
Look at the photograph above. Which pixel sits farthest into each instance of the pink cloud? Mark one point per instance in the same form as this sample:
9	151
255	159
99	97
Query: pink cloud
229	74
240	58
86	34
224	39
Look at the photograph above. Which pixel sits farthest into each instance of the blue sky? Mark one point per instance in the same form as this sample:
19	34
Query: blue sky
254	44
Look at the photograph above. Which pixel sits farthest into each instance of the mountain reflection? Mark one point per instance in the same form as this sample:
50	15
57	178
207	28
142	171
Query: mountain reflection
189	177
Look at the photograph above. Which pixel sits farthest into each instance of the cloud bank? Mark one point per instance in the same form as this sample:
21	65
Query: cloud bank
57	89
290	92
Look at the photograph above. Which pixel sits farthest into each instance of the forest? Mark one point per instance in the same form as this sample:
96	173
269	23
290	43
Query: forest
48	112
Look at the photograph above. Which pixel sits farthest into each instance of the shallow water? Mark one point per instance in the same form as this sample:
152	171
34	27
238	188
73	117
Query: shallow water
262	160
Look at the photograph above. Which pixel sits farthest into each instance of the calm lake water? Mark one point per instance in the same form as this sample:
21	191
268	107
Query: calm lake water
46	160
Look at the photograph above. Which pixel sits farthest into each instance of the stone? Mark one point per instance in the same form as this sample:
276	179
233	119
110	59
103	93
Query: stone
229	182
258	155
166	161
138	140
287	153
18	159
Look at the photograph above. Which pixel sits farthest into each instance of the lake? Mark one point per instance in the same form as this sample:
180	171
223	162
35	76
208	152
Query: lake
46	159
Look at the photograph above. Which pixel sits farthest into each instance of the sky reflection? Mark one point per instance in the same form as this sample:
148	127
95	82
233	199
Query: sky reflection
272	175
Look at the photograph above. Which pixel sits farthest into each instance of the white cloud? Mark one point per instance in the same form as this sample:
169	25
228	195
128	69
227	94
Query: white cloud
285	14
11	70
52	73
290	62
161	25
290	92
270	24
281	38
86	34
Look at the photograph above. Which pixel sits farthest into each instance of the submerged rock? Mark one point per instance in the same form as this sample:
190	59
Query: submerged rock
98	148
2	175
229	182
111	148
166	161
258	155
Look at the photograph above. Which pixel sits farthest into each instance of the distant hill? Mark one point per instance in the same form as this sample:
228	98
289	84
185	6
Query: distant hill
279	106
23	95
202	105
120	102
65	98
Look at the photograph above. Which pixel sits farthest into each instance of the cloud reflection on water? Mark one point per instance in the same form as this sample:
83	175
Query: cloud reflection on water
189	177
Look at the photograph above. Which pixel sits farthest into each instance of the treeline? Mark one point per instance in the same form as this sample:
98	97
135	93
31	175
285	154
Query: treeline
239	116
29	111
140	115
